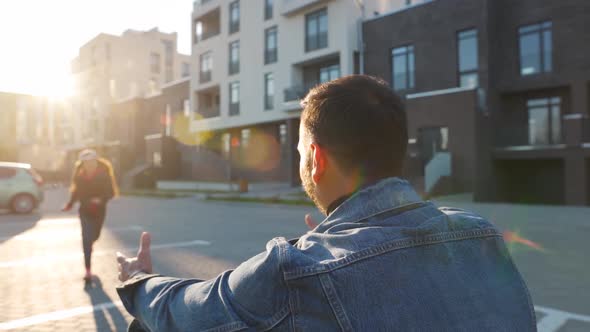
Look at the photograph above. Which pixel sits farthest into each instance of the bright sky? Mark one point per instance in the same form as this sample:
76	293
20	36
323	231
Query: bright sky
40	37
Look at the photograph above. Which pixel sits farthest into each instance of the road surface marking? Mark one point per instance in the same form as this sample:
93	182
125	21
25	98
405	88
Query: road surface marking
57	315
555	319
46	259
60	234
560	317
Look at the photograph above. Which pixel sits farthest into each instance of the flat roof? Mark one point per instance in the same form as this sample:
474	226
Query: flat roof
15	165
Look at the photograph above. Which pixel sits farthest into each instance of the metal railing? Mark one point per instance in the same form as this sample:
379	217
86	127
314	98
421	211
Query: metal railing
294	93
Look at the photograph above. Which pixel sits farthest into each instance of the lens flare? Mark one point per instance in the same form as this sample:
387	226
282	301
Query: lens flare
514	237
262	152
181	130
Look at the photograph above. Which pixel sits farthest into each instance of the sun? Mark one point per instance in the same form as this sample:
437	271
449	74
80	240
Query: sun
56	86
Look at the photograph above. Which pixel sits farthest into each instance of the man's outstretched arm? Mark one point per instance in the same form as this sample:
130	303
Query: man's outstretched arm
252	295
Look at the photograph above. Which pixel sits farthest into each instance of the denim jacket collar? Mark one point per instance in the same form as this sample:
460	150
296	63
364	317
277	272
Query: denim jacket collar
385	195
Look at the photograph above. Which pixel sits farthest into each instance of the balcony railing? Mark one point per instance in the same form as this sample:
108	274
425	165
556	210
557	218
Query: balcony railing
208	112
291	7
234	67
294	93
198	3
205	76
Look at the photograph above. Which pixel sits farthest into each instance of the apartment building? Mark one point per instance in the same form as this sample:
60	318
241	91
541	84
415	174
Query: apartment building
111	68
497	94
35	130
255	60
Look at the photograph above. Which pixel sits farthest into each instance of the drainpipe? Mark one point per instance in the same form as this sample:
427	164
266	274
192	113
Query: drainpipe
361	6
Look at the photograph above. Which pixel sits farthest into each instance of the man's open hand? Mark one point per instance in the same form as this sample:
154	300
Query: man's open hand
310	222
142	263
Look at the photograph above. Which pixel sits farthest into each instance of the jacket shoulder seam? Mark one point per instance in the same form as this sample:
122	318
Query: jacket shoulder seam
405	243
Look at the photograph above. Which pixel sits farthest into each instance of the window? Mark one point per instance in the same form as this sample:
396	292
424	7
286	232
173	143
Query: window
186	69
329	73
269	91
234	57
7	173
234	98
206	67
226	144
245	138
432	140
535	44
186	107
468	60
234	16
316	30
544	121
155	63
283	134
403	67
270	45
268	8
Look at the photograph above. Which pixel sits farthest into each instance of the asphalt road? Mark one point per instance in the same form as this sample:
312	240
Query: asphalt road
41	265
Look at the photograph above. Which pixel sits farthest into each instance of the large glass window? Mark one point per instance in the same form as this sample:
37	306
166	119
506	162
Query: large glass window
234	16
403	67
535	44
329	73
234	57
468	60
316	30
268	9
206	67
270	45
234	98
269	91
544	121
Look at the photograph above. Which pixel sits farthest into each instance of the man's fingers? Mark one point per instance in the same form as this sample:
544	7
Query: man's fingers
310	222
144	243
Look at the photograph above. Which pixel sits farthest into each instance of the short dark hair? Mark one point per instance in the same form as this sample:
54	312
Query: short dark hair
361	122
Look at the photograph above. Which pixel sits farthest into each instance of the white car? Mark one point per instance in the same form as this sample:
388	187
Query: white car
21	188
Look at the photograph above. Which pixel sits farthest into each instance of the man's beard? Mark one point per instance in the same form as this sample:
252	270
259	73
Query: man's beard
308	185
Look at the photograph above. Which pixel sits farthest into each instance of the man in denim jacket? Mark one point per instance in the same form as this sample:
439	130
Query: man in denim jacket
382	260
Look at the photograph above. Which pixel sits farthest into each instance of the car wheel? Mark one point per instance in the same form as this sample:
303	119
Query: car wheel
23	203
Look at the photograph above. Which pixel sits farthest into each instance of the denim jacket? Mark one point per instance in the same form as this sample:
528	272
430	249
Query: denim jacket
384	260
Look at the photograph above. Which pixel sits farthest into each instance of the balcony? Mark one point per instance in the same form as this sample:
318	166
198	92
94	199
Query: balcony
207	26
208	103
292	7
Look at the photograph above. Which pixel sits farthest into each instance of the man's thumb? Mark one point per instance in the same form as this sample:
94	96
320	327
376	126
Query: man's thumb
310	222
144	243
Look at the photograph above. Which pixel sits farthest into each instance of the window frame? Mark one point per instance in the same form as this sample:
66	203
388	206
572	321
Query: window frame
269	99
410	75
234	67
539	28
460	73
234	26
234	108
268	9
316	15
271	55
206	76
548	103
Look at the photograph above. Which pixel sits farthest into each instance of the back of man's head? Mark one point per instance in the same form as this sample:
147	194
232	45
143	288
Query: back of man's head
361	122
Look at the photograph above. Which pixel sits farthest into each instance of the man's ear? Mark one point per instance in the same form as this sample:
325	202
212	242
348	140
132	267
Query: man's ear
319	159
